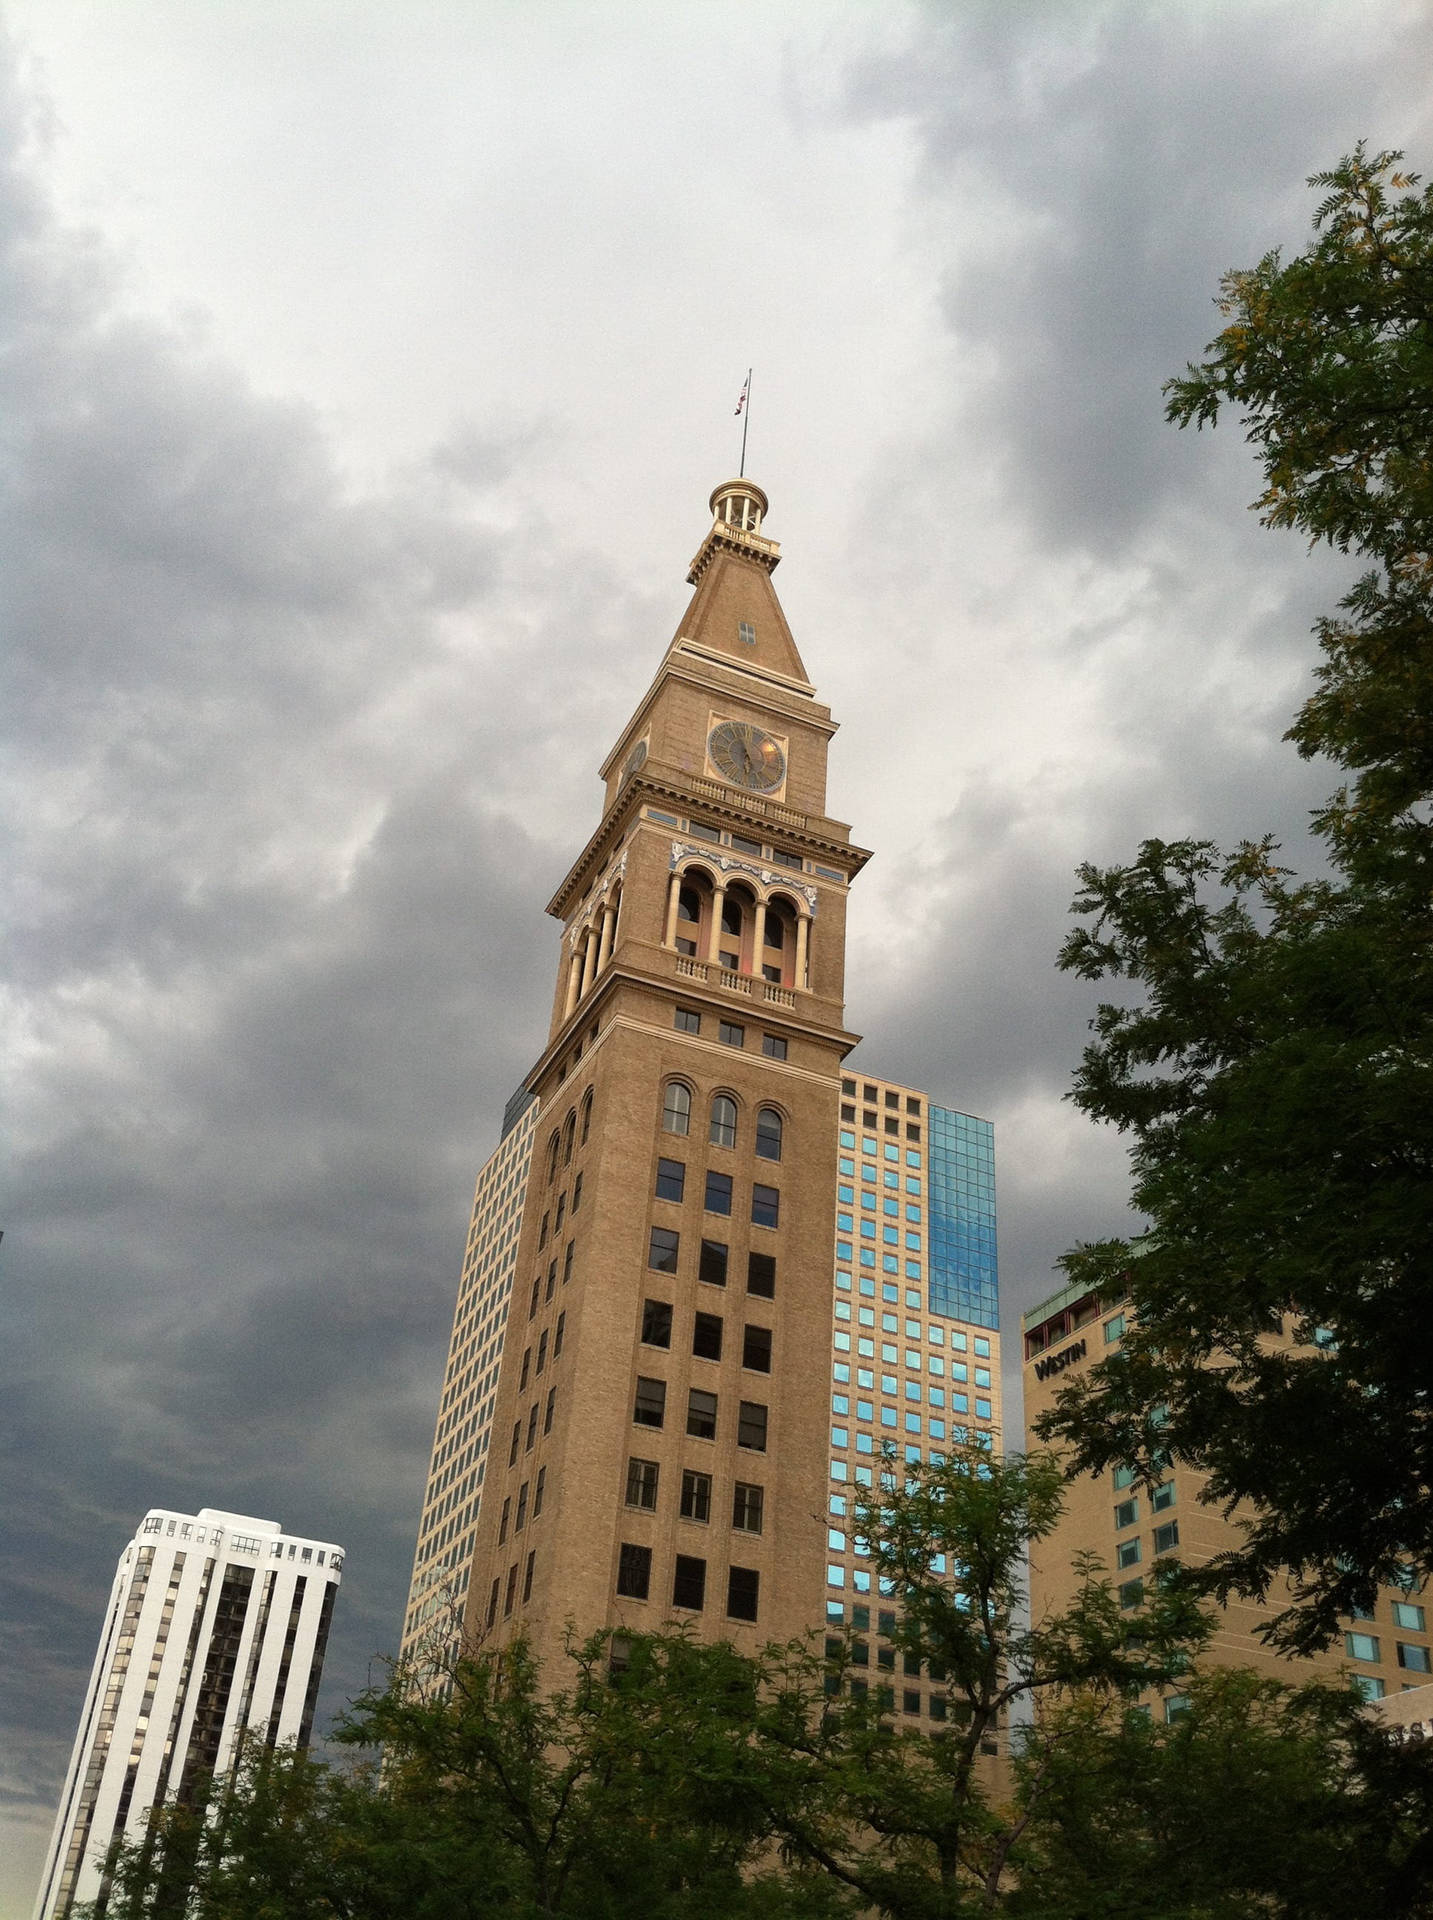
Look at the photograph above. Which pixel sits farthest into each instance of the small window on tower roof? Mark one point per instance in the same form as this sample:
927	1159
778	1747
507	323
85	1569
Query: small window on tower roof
746	633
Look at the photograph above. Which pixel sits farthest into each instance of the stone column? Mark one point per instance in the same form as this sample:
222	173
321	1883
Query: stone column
758	938
713	952
574	979
604	945
589	961
803	936
674	897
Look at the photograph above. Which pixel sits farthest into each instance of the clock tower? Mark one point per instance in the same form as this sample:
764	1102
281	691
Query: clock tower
657	1441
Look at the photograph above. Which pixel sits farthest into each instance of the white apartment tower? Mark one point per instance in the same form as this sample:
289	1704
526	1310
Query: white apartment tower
216	1627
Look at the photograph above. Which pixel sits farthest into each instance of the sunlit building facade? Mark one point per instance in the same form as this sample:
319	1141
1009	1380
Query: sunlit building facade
216	1628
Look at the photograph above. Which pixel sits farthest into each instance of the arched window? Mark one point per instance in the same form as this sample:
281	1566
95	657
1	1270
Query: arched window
676	1108
689	919
723	1126
768	1134
586	1115
777	962
569	1136
554	1147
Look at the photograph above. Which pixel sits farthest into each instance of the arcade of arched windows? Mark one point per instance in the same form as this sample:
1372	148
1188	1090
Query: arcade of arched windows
592	948
724	1120
735	925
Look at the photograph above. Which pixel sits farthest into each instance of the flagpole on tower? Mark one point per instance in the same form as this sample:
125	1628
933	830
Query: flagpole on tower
743	407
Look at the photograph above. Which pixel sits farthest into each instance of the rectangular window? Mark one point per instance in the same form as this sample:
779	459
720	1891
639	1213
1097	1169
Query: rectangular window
1114	1329
552	1280
526	1368
706	1336
1166	1538
718	1197
1120	1478
520	1519
561	1210
642	1483
1409	1617
731	1035
537	1491
687	1020
651	1403
511	1595
756	1349
696	1496
689	1583
1162	1498
527	1576
751	1426
1361	1646
549	1410
656	1323
1127	1553
743	1587
701	1414
536	1296
773	1045
671	1179
516	1442
765	1206
634	1571
712	1266
1131	1594
662	1250
1126	1515
761	1275
1414	1659
746	1505
493	1602
531	1427
557	1336
503	1522
577	1193
541	1350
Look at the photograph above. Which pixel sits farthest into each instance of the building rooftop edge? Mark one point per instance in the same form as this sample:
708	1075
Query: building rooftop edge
229	1522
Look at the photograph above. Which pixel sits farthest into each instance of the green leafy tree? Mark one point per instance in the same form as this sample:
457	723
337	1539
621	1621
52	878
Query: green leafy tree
918	1824
645	1785
1258	1798
1274	1065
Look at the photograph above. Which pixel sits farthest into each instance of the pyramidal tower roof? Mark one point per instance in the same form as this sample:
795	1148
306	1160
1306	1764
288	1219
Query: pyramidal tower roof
734	610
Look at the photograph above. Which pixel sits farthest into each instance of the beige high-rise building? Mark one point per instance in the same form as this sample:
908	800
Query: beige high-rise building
659	1395
1134	1528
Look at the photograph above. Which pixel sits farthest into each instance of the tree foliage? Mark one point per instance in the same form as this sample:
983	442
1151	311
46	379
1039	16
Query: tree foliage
1274	1068
659	1777
1256	1798
920	1826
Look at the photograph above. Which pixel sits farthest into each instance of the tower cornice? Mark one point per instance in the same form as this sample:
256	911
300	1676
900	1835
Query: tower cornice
821	837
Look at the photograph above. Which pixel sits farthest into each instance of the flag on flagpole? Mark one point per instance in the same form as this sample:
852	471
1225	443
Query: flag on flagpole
741	403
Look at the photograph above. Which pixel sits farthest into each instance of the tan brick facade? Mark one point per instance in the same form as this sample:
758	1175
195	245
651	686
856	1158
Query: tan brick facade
1132	1528
703	951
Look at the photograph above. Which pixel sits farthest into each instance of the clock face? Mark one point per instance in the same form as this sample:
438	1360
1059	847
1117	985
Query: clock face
635	759
747	756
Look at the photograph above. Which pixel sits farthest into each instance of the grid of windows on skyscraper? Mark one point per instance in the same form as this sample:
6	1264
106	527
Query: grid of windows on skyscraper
962	1274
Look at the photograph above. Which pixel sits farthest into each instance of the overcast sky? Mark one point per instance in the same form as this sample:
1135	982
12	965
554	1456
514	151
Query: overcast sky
366	370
